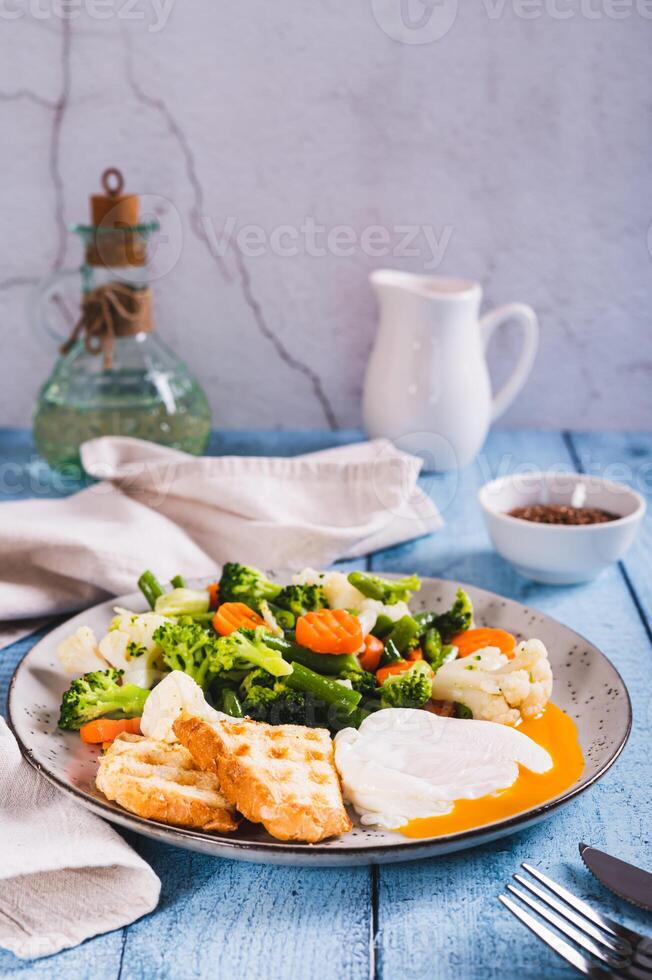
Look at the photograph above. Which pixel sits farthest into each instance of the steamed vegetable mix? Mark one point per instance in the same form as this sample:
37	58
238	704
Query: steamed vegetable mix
325	650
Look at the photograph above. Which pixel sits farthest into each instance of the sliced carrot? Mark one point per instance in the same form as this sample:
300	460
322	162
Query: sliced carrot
370	656
213	594
106	729
232	616
414	655
329	631
396	668
478	639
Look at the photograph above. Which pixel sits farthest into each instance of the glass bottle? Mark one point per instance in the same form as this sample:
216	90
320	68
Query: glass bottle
115	376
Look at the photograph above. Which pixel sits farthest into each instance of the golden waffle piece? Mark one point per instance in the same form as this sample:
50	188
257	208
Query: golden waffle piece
282	776
160	781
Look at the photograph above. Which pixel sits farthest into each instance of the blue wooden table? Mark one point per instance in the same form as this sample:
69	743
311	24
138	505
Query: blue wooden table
437	918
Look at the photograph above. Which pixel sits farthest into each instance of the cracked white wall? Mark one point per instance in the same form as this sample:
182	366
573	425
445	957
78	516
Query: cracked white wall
528	138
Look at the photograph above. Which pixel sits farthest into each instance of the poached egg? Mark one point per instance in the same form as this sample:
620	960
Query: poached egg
405	765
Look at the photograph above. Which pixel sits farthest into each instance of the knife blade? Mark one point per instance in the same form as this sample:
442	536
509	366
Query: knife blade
628	882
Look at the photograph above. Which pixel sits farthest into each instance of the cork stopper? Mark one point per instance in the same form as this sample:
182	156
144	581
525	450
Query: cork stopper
113	209
114	216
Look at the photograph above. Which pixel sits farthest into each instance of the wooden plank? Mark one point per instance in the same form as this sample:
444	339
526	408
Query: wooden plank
97	959
440	917
227	919
625	459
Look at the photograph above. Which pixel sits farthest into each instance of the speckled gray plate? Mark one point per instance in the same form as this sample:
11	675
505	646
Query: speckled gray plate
587	686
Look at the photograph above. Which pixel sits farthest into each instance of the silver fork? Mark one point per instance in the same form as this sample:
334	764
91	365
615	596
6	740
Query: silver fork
620	952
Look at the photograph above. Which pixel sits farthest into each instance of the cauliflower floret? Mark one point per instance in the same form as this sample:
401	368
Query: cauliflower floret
130	645
113	648
495	688
394	612
532	657
140	628
79	654
177	693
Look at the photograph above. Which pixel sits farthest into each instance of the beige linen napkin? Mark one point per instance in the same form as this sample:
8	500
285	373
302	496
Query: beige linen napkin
65	875
160	508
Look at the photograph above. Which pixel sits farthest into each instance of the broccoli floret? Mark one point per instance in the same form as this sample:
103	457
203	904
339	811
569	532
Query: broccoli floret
361	680
300	599
185	647
240	583
267	699
97	694
411	689
389	593
458	618
246	648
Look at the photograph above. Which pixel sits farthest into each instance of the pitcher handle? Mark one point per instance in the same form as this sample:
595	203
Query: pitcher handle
42	296
527	318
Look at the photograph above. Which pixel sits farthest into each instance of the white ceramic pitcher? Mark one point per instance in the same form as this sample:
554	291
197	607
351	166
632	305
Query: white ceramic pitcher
428	375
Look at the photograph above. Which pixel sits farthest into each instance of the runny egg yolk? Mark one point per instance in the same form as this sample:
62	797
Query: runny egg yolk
554	731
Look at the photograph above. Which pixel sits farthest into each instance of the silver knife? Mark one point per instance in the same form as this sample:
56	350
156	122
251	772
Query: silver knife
626	881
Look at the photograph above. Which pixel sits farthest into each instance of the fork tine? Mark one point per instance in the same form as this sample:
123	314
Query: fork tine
600	920
556	943
615	944
564	926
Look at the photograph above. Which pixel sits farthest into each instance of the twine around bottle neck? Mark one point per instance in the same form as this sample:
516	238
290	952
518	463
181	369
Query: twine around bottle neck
112	310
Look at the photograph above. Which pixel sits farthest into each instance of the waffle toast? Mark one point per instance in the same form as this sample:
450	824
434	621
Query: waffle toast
282	776
159	781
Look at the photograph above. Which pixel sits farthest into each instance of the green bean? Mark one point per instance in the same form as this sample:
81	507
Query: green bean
390	655
367	585
321	663
425	619
446	652
178	582
383	627
151	588
231	704
323	689
405	632
432	646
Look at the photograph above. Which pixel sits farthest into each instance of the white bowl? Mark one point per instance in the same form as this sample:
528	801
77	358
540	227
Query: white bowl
560	554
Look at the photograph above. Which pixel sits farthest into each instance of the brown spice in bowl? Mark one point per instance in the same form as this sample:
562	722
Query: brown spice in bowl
562	514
